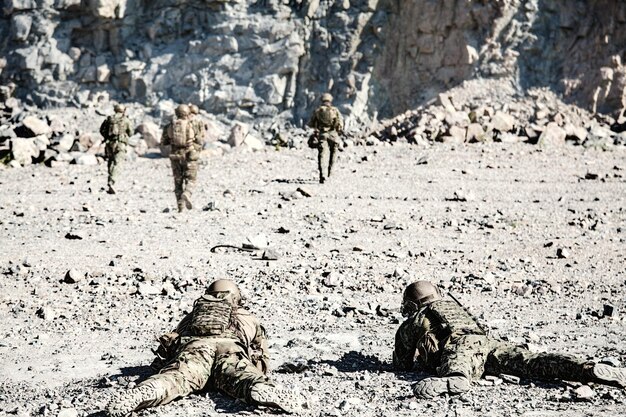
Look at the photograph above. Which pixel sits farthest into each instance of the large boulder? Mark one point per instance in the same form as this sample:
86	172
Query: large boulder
24	150
35	126
553	135
238	134
503	122
150	133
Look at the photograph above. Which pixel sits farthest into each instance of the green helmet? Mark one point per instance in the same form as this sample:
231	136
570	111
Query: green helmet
327	98
182	110
119	108
418	295
225	286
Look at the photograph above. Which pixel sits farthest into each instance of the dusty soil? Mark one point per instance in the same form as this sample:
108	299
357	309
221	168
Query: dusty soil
331	299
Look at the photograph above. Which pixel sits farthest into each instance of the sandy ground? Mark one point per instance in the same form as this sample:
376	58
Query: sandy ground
330	302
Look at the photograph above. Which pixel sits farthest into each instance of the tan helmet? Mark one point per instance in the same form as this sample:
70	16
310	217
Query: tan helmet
225	285
418	295
119	108
182	110
327	98
194	109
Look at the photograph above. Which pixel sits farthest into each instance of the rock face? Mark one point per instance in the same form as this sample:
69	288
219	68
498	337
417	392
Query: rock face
252	60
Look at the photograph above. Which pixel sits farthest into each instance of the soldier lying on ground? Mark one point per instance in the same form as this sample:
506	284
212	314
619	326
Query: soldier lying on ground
218	342
445	340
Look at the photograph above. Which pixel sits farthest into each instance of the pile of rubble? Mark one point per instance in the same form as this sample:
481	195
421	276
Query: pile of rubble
537	118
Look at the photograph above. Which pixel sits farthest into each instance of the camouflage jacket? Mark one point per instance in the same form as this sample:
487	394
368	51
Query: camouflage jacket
422	336
124	127
326	119
251	337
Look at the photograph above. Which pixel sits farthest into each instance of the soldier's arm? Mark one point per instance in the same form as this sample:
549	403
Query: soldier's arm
104	128
129	127
259	344
405	347
184	323
339	121
165	137
313	121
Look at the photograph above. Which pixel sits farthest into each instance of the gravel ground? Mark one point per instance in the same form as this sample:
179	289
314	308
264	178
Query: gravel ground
531	240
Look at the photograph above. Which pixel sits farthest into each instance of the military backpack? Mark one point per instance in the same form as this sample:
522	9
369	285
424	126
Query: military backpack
214	317
182	133
450	320
326	118
116	126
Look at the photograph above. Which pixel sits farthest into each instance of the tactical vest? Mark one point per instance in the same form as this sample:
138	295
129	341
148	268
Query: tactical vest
116	126
213	317
449	320
182	133
325	118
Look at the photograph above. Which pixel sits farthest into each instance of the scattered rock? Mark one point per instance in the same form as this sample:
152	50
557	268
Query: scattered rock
584	393
562	253
73	276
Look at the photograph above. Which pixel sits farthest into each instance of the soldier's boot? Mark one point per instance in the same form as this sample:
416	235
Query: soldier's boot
125	402
181	205
186	198
433	387
610	375
111	190
277	397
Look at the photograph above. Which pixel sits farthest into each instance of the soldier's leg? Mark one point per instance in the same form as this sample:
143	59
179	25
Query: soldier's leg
191	174
109	153
177	172
322	159
237	376
116	163
515	360
189	372
461	362
333	155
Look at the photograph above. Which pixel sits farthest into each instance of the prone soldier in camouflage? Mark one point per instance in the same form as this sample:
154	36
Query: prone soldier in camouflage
218	343
328	125
116	130
443	339
181	135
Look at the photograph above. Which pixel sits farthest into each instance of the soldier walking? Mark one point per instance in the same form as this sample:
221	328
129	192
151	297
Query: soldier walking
180	134
445	340
328	125
218	342
116	130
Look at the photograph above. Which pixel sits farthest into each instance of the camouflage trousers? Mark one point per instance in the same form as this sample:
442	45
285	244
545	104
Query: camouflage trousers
476	355
115	153
220	362
185	173
327	154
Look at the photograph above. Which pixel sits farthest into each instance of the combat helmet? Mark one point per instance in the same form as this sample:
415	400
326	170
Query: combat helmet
326	98
418	295
119	108
225	285
194	109
182	110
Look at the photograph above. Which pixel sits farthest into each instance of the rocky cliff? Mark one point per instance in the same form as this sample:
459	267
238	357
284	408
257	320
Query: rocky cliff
258	60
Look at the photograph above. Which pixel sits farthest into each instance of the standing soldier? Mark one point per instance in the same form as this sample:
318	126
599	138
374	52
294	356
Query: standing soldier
445	340
328	125
181	136
116	130
218	342
199	127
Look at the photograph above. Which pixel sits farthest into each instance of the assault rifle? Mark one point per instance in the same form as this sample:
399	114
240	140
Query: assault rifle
469	313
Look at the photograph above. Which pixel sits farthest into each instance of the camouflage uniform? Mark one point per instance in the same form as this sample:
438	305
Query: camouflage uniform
115	143
446	341
184	160
217	344
328	123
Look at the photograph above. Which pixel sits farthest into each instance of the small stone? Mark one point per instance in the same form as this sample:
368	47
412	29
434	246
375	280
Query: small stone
73	276
305	191
510	379
68	412
608	310
148	289
413	405
584	393
269	255
562	253
330	279
494	379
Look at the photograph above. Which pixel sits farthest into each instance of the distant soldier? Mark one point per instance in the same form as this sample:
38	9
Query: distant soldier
116	130
445	340
199	127
219	343
328	125
180	134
